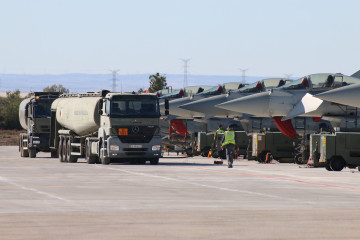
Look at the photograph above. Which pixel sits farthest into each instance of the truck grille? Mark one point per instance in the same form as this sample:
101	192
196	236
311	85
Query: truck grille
139	134
135	149
134	153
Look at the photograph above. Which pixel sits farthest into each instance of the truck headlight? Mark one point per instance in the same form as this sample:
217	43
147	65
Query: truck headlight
156	148
114	148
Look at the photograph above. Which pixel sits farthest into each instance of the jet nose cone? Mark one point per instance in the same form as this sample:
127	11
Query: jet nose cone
203	104
176	111
348	95
256	104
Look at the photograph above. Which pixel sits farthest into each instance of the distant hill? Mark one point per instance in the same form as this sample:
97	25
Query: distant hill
80	82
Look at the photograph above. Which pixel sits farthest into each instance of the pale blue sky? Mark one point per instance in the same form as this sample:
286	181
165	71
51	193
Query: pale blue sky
270	37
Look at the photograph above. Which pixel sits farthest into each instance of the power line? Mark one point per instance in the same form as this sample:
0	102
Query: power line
114	79
185	70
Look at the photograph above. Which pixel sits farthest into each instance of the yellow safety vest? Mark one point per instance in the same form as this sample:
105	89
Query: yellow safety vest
220	131
229	138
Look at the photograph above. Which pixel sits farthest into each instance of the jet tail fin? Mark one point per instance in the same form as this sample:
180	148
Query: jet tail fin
356	74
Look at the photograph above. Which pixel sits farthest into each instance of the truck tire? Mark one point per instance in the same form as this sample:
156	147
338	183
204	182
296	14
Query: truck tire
337	164
23	153
154	161
104	160
327	167
71	158
89	159
64	149
32	152
60	149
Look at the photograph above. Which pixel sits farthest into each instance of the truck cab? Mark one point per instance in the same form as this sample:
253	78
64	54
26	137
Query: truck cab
34	115
129	127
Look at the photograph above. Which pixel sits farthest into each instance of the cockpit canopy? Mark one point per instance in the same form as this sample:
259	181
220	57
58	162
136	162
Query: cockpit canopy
263	85
321	81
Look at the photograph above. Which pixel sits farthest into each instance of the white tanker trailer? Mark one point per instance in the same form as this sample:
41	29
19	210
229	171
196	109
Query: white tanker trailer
106	126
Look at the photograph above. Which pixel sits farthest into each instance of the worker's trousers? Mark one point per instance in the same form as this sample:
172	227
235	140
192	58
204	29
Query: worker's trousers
230	152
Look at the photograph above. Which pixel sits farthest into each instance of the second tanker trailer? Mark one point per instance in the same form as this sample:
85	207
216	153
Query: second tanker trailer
106	126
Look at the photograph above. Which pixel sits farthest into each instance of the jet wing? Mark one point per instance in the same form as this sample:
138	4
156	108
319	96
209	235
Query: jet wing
308	104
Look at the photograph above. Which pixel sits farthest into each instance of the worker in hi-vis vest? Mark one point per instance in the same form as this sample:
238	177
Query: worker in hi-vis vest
216	136
229	143
220	129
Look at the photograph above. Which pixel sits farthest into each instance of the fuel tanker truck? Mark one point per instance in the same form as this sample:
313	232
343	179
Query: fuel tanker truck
105	126
34	116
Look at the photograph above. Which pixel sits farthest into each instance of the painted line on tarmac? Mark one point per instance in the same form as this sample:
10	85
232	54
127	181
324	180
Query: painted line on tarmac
204	185
49	195
5	180
274	178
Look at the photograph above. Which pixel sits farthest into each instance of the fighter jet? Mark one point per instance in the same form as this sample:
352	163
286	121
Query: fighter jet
199	93
296	99
208	106
293	99
348	95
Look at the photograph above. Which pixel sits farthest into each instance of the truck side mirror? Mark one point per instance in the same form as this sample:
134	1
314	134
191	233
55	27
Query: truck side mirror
100	107
166	106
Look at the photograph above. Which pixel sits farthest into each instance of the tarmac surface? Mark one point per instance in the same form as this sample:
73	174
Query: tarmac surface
181	198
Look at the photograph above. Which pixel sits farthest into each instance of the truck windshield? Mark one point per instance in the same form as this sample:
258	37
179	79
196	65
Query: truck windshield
134	106
42	109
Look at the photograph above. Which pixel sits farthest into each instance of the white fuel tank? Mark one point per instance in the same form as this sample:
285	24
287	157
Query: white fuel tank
79	114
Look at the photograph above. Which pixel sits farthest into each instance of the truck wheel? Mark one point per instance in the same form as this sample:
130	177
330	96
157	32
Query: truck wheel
32	152
104	160
154	161
23	153
70	158
327	166
89	159
60	149
64	149
337	164
298	159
